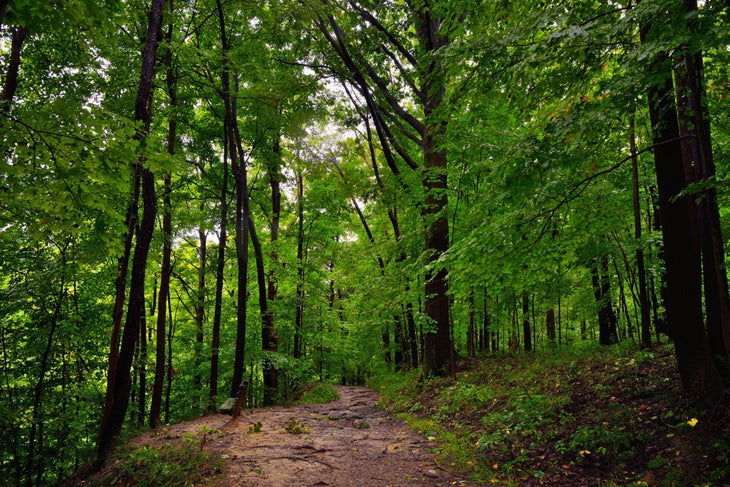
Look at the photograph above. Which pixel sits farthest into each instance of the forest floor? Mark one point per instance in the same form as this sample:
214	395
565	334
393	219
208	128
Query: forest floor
346	442
606	417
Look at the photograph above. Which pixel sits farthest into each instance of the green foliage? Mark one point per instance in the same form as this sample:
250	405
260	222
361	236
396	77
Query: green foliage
508	419
540	96
183	464
319	393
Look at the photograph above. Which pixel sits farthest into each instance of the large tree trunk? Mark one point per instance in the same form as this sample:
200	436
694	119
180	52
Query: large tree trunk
113	419
438	352
11	75
437	340
694	125
166	267
681	254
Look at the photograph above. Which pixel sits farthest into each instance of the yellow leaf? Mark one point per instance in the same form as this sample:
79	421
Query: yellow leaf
692	422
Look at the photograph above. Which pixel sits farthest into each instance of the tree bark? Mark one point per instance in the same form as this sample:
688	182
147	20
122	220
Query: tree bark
526	332
269	338
550	325
640	269
166	267
200	303
694	126
112	420
220	277
11	76
438	346
681	254
299	318
238	167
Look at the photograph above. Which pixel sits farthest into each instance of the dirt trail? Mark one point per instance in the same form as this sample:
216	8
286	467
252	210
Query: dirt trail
348	442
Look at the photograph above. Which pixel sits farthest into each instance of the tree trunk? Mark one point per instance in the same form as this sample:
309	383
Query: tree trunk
681	254
694	125
526	332
550	325
243	225
113	419
471	346
602	291
438	357
36	423
269	338
640	269
11	76
166	267
165	272
220	277
200	303
141	368
169	368
269	395
299	318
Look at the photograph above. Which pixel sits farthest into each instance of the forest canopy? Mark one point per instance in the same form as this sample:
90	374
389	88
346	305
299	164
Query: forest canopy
205	199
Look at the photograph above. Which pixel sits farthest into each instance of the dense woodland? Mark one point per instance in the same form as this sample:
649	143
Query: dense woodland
202	199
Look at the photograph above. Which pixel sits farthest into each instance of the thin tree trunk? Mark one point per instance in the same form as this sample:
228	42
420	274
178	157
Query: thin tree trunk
526	332
170	335
200	303
36	422
269	338
165	272
471	339
141	368
243	224
220	273
113	419
299	318
640	269
270	397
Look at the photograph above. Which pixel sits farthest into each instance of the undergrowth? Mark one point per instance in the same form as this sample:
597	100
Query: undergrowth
319	393
183	463
592	416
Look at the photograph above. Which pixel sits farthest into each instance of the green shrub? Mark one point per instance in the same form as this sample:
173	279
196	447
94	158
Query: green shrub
320	393
174	464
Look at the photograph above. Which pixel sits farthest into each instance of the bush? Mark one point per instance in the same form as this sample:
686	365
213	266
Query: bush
320	393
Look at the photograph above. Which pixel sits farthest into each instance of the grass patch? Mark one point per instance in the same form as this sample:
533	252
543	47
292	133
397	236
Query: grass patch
319	393
173	464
